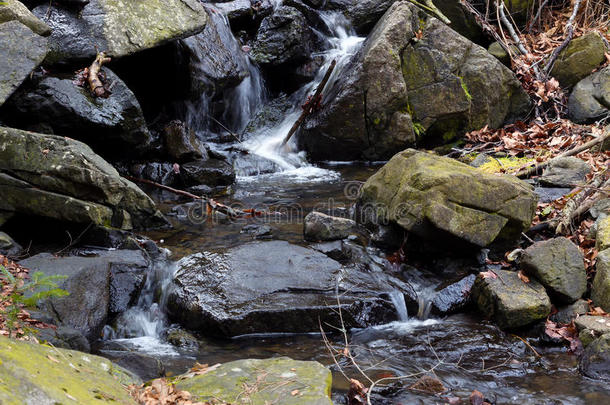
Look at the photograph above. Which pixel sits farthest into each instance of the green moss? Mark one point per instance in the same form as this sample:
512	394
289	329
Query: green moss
505	164
465	88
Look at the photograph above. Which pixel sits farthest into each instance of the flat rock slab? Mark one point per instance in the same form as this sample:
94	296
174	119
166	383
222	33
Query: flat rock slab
267	287
511	302
272	381
37	374
21	51
597	324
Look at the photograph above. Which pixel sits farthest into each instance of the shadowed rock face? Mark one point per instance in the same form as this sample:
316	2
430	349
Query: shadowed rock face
590	99
396	92
436	197
266	287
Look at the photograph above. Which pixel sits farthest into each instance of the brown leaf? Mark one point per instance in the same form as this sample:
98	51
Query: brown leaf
523	277
477	398
488	274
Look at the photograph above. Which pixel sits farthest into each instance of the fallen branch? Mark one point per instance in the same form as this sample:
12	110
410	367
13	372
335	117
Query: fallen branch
537	16
95	84
431	8
569	213
532	170
311	104
482	21
569	36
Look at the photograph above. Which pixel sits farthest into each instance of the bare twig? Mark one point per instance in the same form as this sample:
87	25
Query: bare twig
566	41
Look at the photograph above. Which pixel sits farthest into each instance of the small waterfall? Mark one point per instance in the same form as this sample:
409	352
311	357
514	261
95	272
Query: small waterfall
242	102
398	299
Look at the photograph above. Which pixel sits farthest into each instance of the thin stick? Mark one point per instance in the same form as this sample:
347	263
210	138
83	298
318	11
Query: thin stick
537	16
309	108
569	36
528	345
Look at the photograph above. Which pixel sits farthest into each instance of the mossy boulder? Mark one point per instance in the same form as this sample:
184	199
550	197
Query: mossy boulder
60	178
119	27
396	92
22	51
579	59
33	373
438	197
589	100
15	10
600	291
272	381
559	265
595	362
602	238
509	301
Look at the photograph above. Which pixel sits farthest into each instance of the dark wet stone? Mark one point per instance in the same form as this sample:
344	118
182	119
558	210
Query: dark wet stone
211	172
64	337
454	297
182	143
595	362
145	366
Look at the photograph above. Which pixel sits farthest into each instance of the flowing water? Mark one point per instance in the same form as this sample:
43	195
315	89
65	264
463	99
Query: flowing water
465	352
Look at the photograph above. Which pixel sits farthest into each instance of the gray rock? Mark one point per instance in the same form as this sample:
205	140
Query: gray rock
182	143
548	194
559	265
265	287
15	10
511	302
211	172
395	92
8	247
99	286
283	37
258	231
321	227
181	338
64	337
118	27
590	99
595	362
57	177
579	59
241	14
143	365
592	327
600	291
570	312
113	126
363	14
565	172
22	52
454	297
159	172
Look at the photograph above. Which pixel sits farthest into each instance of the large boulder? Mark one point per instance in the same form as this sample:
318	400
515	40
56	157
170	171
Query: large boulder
60	178
559	265
101	284
112	126
437	197
15	10
294	382
600	291
22	52
595	361
41	374
590	99
512	303
395	89
579	59
267	287
119	27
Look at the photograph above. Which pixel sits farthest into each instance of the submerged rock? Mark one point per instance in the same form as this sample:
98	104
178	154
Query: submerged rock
396	92
509	301
22	52
118	27
113	126
559	265
321	227
595	362
600	291
437	197
581	57
266	287
590	98
60	178
294	382
15	10
39	374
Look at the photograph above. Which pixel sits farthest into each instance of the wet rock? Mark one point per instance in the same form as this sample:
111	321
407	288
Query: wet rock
321	227
241	14
253	165
114	127
145	366
159	172
602	236
283	38
182	143
181	338
15	10
600	291
64	337
333	249
287	288
565	172
437	197
258	231
570	312
511	302
559	265
118	27
33	373
271	115
23	51
100	285
595	362
394	93
60	178
215	58
211	172
295	382
363	14
313	16
454	297
581	57
592	327
590	98
8	247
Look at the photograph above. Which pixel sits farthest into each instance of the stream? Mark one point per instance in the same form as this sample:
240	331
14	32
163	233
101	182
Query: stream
464	352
